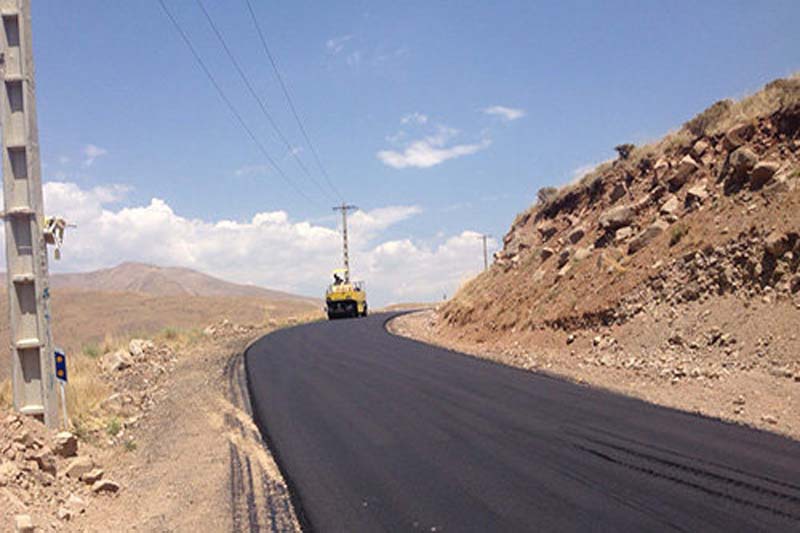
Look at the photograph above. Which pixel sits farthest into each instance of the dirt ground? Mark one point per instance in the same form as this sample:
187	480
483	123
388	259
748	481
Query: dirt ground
199	463
688	376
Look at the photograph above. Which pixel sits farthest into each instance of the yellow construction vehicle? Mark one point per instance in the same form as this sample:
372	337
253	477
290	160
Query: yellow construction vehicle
345	298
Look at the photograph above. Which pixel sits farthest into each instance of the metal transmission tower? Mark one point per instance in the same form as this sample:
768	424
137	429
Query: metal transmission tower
344	208
33	377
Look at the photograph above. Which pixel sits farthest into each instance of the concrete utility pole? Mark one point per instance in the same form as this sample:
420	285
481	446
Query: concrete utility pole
33	377
344	208
485	238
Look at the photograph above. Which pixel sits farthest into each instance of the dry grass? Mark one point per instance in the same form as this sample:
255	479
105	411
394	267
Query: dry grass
773	97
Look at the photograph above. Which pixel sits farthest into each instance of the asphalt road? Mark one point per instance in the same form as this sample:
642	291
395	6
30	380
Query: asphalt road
376	432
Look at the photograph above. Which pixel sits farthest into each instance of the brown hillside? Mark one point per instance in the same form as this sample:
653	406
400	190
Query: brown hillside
675	265
156	280
140	300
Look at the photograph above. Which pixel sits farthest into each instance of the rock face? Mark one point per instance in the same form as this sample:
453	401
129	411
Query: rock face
643	239
617	217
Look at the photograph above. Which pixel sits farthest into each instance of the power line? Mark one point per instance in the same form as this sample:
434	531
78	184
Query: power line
257	98
230	105
289	100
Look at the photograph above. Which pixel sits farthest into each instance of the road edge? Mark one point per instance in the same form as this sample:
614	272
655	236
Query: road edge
295	502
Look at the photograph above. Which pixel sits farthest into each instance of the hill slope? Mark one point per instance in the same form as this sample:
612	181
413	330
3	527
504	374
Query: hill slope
162	281
135	299
675	265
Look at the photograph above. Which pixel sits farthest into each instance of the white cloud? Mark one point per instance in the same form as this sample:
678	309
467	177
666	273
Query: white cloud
337	44
430	151
269	249
505	113
92	152
415	118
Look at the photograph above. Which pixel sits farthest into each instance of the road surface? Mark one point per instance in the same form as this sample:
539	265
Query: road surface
376	432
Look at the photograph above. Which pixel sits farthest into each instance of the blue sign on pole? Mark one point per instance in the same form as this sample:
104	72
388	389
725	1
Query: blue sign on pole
61	365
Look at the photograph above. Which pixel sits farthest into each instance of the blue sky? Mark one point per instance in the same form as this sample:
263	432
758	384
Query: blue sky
124	107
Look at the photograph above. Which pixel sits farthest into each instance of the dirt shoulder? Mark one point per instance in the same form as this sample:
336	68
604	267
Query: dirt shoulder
684	375
194	461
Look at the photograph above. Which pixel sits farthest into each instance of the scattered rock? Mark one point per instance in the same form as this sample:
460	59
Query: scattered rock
582	253
740	162
23	524
116	361
644	238
65	444
762	173
576	235
564	257
696	195
105	485
776	244
616	217
545	253
699	148
618	192
670	206
138	347
79	467
93	476
769	419
547	232
570	338
623	234
46	461
686	168
738	135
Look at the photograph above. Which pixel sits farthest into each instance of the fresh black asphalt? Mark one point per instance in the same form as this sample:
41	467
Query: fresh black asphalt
380	433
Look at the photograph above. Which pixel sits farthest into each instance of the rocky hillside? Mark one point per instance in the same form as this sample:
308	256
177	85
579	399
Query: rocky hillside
677	261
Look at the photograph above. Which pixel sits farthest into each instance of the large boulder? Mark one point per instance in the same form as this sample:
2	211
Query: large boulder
617	217
685	168
648	234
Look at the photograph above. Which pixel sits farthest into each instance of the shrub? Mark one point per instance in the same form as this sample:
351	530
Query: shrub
91	350
114	426
546	194
678	233
704	121
624	150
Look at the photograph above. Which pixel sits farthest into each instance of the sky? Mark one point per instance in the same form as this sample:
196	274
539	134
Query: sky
439	120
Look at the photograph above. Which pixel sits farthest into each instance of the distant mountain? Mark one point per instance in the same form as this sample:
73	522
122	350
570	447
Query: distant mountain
163	281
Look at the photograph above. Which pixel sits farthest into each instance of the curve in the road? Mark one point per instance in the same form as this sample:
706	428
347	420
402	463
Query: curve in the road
376	432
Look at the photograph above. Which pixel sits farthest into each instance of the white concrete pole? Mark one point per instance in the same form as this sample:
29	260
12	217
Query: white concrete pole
33	378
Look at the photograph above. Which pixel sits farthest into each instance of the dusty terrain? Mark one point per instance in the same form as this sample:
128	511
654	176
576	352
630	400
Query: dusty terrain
670	273
142	300
179	450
